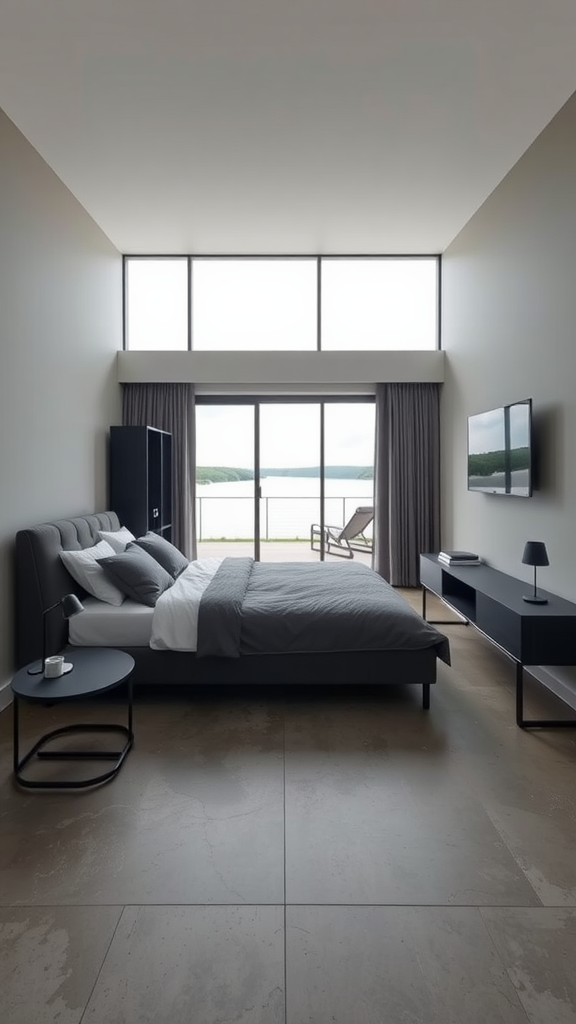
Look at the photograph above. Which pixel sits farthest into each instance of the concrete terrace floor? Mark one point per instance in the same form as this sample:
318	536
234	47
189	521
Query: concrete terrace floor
285	856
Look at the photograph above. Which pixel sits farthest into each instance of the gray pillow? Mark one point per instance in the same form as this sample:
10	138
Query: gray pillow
169	557
137	575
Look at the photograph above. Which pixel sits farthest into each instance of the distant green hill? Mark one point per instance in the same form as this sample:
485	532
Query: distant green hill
223	474
487	463
330	472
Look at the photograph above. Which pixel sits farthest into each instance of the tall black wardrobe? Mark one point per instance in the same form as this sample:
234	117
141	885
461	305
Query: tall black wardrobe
141	479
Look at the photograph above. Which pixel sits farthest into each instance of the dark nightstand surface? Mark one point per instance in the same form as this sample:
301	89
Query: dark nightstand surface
95	669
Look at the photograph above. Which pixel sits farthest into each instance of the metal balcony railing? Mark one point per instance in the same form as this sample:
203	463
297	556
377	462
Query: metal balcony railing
281	517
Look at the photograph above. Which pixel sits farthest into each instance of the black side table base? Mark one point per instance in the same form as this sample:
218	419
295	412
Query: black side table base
97	670
535	723
117	756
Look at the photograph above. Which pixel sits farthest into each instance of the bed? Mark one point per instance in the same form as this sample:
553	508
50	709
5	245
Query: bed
41	580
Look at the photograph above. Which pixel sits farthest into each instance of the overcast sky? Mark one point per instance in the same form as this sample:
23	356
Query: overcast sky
486	431
289	435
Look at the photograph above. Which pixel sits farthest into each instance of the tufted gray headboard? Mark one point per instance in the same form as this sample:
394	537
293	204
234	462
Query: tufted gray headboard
41	579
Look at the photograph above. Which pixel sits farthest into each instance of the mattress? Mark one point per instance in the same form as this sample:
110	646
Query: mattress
106	625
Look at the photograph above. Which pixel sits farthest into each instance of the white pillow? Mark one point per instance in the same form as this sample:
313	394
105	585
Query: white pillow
117	539
84	568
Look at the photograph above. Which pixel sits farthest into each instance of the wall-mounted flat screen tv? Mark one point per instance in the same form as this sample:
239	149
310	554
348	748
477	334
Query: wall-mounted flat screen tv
500	450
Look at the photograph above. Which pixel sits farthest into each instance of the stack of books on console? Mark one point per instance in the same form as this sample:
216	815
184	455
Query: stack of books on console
459	558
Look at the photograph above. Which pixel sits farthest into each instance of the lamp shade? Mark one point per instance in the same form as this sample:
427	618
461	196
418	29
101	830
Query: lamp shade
535	553
71	605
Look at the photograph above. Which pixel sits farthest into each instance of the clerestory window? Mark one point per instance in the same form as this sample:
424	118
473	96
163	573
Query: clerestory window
281	303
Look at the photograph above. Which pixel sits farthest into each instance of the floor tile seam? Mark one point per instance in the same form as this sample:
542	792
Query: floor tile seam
286	904
137	903
434	906
100	969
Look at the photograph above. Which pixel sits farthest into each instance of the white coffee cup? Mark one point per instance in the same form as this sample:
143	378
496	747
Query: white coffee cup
54	666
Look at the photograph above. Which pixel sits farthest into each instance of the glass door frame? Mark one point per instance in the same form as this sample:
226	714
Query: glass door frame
278	399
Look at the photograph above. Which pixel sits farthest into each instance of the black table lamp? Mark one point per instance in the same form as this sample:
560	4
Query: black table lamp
535	554
70	605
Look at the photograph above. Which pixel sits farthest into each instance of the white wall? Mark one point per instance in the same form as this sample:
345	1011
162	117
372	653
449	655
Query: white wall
509	332
60	328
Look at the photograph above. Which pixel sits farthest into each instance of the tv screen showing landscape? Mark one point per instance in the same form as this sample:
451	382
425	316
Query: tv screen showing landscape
499	450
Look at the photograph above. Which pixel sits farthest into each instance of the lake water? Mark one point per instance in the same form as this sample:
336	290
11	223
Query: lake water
496	483
289	506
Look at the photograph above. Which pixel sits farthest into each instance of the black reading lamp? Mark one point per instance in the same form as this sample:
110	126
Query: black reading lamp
535	554
70	605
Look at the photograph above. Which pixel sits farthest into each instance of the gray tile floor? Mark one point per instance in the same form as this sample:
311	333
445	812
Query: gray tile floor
301	856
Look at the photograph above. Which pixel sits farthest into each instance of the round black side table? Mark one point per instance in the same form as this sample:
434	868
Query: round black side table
95	670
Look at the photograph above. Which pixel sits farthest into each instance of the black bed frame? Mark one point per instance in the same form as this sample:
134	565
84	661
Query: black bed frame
41	580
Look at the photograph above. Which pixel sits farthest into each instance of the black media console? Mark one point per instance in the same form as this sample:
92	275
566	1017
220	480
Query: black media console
531	634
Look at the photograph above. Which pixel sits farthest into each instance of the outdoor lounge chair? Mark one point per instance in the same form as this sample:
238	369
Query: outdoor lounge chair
344	540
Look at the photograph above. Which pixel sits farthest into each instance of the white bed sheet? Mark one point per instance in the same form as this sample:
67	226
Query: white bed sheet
175	622
104	625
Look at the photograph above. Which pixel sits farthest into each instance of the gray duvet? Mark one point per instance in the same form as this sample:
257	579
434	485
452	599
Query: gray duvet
295	607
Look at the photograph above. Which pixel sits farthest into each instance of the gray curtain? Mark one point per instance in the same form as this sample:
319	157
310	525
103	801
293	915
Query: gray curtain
406	479
170	407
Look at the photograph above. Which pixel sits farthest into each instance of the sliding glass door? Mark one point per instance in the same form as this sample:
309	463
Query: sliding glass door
225	480
348	461
290	481
271	471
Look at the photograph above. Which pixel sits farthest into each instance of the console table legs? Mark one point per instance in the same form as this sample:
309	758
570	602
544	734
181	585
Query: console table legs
535	723
491	601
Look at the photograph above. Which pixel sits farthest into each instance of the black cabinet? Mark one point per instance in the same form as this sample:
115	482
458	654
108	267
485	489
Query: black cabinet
531	634
141	479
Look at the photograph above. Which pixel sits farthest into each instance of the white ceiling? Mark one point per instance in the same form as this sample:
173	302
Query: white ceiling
269	126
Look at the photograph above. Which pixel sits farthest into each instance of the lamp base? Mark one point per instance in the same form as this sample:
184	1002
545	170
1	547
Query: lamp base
535	599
